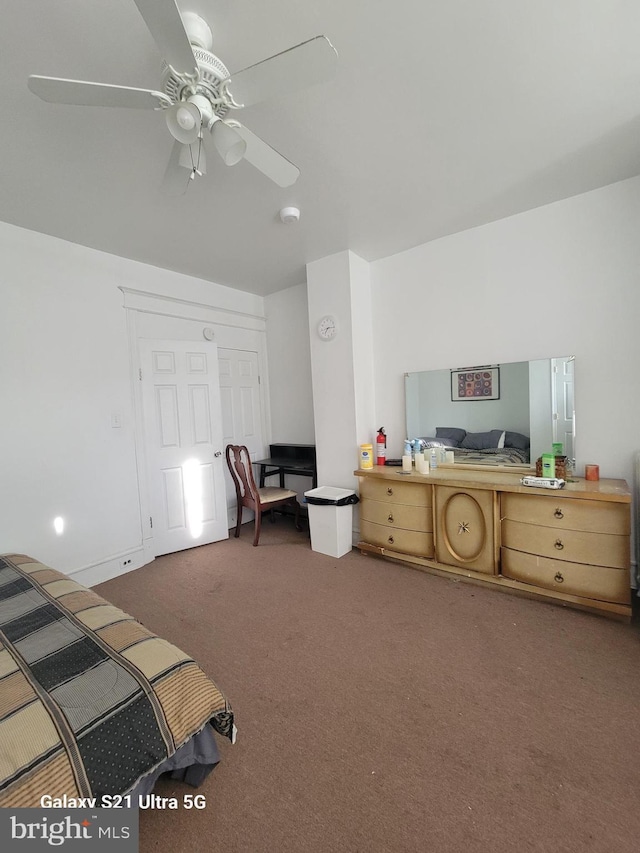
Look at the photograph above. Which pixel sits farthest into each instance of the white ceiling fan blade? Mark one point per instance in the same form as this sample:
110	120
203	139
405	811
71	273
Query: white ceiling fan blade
164	22
311	62
56	90
176	177
267	160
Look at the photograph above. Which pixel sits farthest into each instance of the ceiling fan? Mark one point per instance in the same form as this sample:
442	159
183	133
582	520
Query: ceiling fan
199	95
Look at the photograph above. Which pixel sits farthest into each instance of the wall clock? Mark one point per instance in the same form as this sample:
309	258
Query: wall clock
327	328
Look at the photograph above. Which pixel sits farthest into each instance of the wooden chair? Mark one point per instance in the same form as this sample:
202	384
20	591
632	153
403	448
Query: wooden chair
249	495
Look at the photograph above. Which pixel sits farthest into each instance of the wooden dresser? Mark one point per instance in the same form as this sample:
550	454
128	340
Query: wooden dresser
571	546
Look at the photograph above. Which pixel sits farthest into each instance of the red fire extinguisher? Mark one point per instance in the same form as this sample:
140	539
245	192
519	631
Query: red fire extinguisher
381	447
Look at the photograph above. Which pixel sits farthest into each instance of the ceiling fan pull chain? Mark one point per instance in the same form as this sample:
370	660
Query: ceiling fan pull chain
192	173
195	166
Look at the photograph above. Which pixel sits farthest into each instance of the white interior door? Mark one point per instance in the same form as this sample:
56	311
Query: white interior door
563	404
183	442
241	410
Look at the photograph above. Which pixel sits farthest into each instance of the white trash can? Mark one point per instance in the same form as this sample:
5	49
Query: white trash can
331	519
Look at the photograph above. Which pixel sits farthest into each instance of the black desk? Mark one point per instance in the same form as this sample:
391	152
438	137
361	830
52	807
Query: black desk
284	459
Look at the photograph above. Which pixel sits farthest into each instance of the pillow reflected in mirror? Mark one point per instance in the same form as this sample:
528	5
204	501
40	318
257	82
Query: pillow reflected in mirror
482	440
456	434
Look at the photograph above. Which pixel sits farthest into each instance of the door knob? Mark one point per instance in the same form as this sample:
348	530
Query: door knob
218	453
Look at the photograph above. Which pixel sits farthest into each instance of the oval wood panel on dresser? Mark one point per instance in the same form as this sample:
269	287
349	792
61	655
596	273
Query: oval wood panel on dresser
571	546
464	524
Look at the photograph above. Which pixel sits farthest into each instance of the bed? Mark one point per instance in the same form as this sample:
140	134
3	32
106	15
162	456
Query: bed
92	703
492	447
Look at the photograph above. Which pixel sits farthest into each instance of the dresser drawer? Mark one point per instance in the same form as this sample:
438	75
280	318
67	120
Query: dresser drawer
404	541
595	582
567	513
397	515
412	494
576	546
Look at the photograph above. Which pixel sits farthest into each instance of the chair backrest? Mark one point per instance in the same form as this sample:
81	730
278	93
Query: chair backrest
241	471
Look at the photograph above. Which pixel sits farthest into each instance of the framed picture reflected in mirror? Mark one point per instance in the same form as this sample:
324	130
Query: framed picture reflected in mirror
475	383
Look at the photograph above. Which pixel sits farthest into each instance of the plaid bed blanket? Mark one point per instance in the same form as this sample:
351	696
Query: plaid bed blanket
90	700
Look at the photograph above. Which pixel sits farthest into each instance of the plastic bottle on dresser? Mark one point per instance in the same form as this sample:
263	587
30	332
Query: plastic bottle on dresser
433	458
366	456
407	461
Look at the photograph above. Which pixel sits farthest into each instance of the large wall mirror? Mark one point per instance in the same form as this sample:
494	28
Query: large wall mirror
500	414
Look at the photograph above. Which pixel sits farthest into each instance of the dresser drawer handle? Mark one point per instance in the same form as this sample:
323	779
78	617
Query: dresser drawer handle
389	491
390	519
558	578
390	540
558	513
558	545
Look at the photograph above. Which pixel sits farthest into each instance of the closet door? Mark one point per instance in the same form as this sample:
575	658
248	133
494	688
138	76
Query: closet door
238	372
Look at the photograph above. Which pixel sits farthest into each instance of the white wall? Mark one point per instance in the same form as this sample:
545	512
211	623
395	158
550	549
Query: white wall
289	360
289	355
64	372
561	279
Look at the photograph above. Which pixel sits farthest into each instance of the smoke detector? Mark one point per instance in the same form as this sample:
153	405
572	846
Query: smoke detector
289	215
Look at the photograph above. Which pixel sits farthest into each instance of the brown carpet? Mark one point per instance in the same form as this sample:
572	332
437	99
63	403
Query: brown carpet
380	708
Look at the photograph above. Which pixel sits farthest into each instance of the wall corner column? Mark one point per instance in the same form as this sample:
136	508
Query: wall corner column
341	368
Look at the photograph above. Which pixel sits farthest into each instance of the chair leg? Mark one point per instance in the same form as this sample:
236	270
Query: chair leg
297	514
239	521
257	527
272	516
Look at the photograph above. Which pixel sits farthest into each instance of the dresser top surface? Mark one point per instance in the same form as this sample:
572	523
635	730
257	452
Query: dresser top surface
503	481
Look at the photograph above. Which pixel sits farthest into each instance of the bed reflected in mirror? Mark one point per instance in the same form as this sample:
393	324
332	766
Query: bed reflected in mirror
499	414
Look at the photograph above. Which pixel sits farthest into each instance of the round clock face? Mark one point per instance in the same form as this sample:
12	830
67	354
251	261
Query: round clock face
327	328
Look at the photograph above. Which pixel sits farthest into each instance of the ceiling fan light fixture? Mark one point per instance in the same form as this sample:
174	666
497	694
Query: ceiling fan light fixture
228	142
184	120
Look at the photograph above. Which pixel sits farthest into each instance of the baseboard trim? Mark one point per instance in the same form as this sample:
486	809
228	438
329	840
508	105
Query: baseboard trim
112	568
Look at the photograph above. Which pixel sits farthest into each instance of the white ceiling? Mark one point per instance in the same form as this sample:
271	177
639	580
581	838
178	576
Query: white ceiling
442	116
